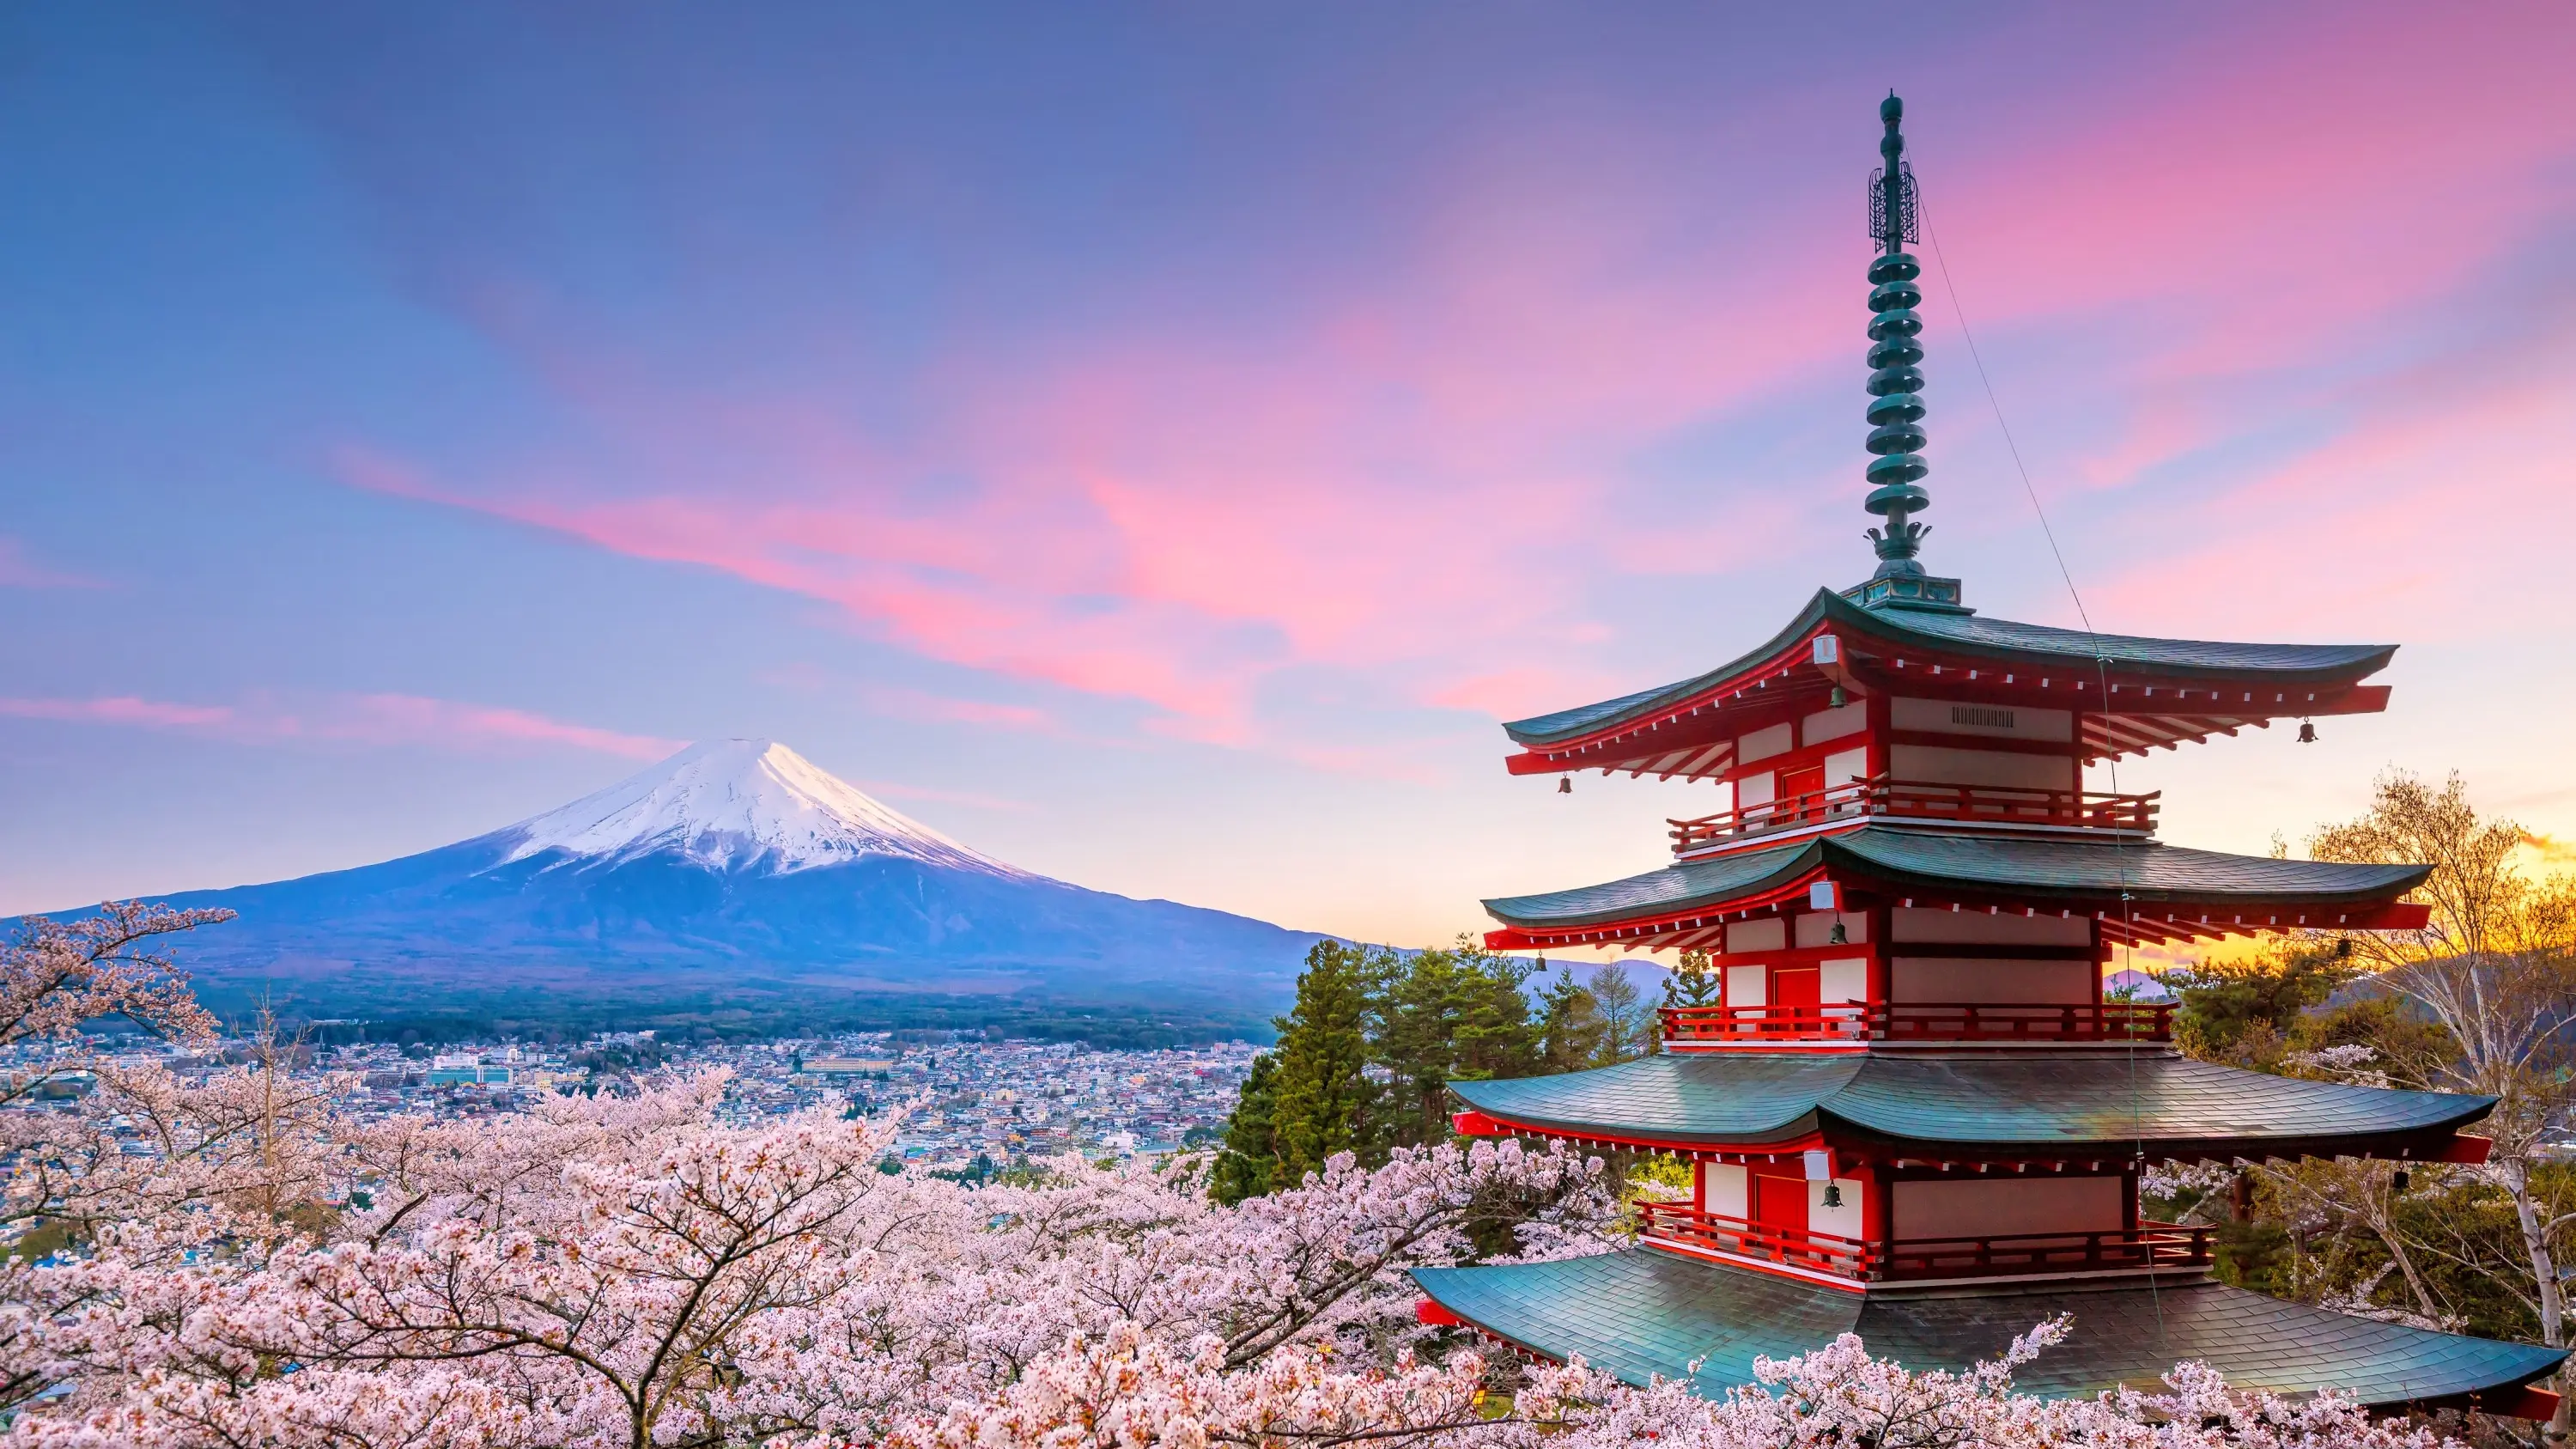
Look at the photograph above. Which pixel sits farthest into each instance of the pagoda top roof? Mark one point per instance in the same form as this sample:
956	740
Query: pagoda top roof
1643	1314
1950	864
2085	666
2077	1102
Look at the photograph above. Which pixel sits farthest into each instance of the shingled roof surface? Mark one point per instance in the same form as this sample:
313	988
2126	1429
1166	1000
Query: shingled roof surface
1642	1313
1937	860
2036	644
2077	1100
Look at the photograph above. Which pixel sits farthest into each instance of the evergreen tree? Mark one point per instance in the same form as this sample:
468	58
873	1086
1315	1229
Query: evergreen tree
1243	1169
1694	981
1569	1025
1322	1100
1455	1015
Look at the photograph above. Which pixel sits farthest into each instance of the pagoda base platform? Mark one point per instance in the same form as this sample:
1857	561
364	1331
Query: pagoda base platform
1641	1314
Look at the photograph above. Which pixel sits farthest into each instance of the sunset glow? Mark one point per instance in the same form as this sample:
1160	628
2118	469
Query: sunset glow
1164	451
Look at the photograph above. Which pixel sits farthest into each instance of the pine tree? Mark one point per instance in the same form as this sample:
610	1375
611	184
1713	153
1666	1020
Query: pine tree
1694	981
1569	1025
1454	1015
1322	1101
1244	1168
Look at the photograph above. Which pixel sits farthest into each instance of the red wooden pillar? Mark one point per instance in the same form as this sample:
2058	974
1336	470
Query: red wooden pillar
1874	1194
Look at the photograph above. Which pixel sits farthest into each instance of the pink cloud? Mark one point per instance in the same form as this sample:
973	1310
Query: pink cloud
124	710
922	705
1416	480
407	719
2394	529
1512	693
19	571
917	704
361	719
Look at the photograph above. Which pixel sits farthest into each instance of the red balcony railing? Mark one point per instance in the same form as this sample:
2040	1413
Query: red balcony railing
1794	1247
1921	1021
1912	799
2149	1245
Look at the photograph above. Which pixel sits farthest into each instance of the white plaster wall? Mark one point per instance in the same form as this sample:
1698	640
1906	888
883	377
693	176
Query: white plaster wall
1755	790
1842	1222
1981	1207
1975	979
1763	744
1839	981
1817	927
1845	766
1939	765
1745	986
1918	923
1942	716
1727	1196
1833	724
1770	935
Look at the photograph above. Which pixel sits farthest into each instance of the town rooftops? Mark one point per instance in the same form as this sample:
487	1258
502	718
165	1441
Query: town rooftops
1644	1314
2151	1101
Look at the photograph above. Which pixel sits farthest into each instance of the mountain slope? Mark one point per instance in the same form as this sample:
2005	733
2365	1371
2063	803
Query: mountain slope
738	805
736	868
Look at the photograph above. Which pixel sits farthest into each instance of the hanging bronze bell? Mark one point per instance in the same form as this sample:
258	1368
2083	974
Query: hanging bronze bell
1565	786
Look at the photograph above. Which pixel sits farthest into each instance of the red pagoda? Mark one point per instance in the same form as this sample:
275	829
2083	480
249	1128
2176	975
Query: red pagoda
1912	1113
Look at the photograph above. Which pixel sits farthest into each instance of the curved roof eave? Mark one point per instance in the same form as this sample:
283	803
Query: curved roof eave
1999	639
1549	729
1728	877
1642	1314
2019	1103
1934	862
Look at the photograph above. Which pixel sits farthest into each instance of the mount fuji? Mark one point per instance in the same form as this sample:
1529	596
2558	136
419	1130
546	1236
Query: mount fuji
736	870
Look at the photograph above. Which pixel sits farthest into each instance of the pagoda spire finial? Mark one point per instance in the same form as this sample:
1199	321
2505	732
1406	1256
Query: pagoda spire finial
1895	414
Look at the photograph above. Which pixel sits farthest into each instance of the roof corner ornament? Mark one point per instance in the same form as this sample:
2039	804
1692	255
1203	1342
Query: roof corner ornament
1895	415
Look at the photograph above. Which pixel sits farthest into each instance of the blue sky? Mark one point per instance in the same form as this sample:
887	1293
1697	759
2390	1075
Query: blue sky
1156	446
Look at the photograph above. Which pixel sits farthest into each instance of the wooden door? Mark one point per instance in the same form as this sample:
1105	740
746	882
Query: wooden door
1799	991
1779	1203
1799	790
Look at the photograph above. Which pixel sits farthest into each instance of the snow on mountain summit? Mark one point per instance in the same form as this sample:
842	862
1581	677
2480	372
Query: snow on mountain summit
739	805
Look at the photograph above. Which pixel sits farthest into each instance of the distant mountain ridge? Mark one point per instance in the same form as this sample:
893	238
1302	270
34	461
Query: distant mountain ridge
734	869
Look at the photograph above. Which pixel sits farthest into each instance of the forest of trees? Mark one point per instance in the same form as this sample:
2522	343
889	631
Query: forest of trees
1365	1058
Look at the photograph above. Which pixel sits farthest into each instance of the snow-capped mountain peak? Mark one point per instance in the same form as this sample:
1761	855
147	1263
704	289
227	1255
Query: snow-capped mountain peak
738	805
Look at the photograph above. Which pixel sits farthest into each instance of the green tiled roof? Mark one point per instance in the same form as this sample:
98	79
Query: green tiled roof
2079	1100
1933	859
1643	1313
2000	639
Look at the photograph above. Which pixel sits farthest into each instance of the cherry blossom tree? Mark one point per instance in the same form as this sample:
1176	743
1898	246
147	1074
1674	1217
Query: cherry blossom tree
589	1273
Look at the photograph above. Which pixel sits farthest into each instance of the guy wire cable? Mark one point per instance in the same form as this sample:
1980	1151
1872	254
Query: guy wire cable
2101	669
